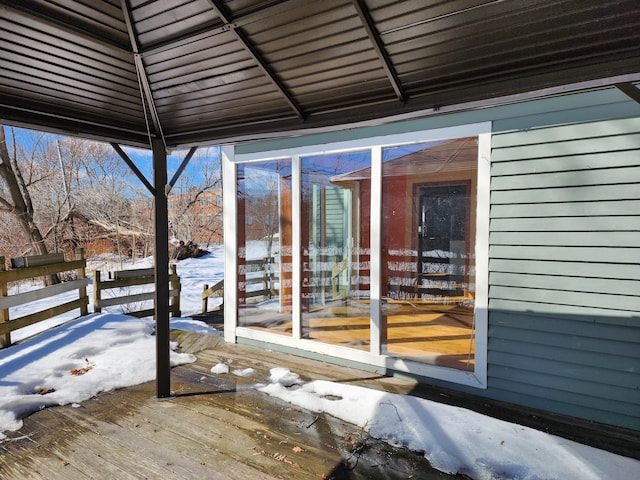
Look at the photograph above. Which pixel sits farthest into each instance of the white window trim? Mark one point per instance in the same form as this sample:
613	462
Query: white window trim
296	239
367	143
375	261
477	378
230	229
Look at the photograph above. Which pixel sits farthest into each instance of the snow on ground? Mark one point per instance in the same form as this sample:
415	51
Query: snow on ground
71	363
194	273
78	359
453	439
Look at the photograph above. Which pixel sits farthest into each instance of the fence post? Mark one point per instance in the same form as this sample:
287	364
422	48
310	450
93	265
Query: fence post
175	284
266	271
5	340
96	291
84	308
205	298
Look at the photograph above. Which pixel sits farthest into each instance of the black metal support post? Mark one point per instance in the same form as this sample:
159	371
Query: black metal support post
163	369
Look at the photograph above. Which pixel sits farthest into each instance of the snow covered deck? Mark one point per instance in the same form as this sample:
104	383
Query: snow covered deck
217	426
222	427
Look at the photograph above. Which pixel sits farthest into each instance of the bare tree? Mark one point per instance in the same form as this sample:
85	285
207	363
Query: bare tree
263	210
63	192
15	197
59	193
11	233
100	193
195	202
262	206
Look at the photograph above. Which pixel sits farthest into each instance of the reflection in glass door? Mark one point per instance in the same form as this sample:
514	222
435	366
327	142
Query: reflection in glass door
264	246
428	253
442	242
304	263
329	233
335	248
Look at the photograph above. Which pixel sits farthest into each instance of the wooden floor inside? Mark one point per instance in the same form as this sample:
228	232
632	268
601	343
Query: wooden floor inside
435	334
215	427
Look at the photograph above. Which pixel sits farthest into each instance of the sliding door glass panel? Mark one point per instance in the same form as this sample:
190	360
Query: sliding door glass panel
264	246
335	213
428	251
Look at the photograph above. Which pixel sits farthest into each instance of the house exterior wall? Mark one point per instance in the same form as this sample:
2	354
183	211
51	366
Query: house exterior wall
564	284
564	260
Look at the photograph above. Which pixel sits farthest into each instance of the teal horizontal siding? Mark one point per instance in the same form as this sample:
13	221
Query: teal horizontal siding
572	338
564	286
570	239
568	365
594	269
567	253
562	401
611	301
620	325
610	223
595	285
582	146
587	314
572	178
627	191
572	133
602	385
564	163
569	209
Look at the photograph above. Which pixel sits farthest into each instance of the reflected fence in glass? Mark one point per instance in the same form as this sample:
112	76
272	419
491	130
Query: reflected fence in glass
264	246
428	231
428	257
335	214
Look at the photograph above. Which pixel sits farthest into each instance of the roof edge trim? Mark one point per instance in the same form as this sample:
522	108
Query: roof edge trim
420	113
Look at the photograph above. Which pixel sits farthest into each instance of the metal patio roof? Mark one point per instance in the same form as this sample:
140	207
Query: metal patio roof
210	71
166	74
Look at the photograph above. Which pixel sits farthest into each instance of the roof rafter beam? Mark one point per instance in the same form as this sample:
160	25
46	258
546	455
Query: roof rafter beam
142	74
66	124
248	45
134	168
181	168
217	28
374	36
184	40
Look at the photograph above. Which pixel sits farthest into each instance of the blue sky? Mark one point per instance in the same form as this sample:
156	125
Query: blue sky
205	158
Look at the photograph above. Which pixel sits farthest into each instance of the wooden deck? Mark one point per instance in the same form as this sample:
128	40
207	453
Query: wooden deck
216	427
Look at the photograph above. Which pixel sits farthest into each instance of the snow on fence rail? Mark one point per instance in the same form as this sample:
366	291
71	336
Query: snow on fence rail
117	290
25	268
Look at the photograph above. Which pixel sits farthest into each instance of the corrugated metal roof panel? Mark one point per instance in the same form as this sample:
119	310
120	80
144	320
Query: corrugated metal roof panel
322	54
214	69
58	69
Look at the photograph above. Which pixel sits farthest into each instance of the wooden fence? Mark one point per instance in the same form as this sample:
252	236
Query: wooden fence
209	292
34	267
263	272
116	291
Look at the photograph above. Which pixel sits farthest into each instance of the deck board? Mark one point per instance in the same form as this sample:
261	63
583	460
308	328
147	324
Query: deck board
215	427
